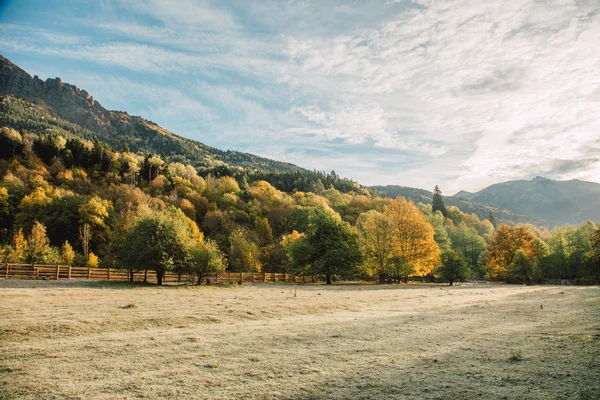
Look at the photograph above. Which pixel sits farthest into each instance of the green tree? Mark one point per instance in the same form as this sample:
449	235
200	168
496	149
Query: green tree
467	242
207	259
453	268
491	218
330	246
243	253
161	243
523	267
438	202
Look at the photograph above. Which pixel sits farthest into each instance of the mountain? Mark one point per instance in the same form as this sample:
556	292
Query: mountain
560	202
502	215
117	128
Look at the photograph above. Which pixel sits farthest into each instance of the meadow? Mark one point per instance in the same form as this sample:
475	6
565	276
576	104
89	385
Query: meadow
81	340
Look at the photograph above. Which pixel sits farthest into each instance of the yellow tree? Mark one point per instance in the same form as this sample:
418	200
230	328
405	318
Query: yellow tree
413	237
376	242
67	254
504	245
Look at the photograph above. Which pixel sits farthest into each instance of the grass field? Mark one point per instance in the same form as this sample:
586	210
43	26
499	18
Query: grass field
92	340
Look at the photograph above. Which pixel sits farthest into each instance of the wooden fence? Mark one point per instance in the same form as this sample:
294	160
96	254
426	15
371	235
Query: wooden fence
56	272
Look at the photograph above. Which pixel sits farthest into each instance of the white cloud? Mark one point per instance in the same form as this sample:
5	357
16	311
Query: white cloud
466	93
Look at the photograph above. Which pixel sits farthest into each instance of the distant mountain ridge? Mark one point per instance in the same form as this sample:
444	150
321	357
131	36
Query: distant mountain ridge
501	215
560	202
117	128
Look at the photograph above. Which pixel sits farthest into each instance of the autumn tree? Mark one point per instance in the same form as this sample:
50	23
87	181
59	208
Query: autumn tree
413	237
376	242
438	202
12	136
19	247
38	246
503	247
67	254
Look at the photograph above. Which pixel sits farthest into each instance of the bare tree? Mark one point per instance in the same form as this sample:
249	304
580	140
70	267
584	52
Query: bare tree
85	235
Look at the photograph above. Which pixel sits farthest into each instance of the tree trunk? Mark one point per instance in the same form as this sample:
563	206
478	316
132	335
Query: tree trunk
328	278
451	282
382	277
405	278
159	276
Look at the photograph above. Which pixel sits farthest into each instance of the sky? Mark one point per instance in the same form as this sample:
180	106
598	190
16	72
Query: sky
458	93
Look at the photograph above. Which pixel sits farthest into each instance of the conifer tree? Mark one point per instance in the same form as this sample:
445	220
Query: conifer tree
438	202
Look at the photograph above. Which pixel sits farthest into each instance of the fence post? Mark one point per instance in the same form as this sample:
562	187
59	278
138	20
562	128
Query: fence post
89	273
108	273
69	272
33	270
264	277
57	271
285	277
6	267
274	277
229	276
253	277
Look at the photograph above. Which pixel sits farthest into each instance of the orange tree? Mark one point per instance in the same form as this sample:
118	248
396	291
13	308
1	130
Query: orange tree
506	242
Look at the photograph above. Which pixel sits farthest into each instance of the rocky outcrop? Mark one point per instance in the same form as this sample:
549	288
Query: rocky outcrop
68	101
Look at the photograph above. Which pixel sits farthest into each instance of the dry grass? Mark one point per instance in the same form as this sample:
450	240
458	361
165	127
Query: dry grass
93	340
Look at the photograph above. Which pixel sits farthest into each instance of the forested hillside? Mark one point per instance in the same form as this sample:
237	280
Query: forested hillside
501	215
55	98
561	202
85	186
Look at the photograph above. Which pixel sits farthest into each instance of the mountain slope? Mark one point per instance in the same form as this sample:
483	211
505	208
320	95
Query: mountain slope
561	202
501	215
117	128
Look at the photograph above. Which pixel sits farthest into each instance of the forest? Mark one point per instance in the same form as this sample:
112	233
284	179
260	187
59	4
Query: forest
70	198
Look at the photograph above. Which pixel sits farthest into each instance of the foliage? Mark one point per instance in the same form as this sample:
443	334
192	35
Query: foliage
437	203
161	242
413	237
453	267
67	254
207	259
330	246
92	261
501	251
376	240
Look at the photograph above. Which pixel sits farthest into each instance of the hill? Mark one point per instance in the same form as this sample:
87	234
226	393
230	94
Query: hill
560	202
55	98
502	215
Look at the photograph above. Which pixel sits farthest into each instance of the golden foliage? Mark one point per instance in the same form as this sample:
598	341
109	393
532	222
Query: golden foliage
412	236
504	245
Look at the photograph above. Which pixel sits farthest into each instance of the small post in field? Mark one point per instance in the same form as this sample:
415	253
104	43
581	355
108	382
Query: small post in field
57	271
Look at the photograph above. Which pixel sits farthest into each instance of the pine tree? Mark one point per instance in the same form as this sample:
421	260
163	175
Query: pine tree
438	202
491	218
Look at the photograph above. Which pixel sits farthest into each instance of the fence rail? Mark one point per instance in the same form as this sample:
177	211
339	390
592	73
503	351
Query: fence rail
58	272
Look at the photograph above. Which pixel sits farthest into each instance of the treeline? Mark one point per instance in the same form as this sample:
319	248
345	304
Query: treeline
77	201
118	129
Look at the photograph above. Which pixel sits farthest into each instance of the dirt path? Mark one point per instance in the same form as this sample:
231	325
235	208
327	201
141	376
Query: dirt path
64	340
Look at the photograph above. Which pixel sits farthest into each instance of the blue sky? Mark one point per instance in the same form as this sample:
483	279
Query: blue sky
460	93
